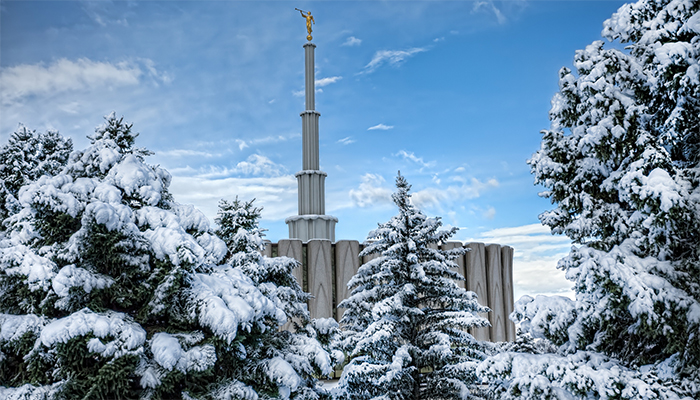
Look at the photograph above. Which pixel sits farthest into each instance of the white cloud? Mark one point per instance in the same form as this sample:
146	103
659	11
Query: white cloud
372	191
380	127
412	157
65	75
277	196
352	41
391	57
298	93
346	141
490	213
259	165
327	81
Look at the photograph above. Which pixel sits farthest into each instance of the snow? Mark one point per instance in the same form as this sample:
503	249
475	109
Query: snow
235	390
673	53
30	392
137	179
279	371
228	300
112	216
325	325
128	336
72	276
13	327
659	184
38	270
168	353
580	375
166	350
693	23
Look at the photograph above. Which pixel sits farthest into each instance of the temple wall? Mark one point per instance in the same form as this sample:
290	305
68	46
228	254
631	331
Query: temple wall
327	267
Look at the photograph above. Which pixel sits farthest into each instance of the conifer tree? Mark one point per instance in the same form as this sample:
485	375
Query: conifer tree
109	289
238	227
621	164
407	318
27	156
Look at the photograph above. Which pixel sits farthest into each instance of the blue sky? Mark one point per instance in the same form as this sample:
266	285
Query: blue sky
453	94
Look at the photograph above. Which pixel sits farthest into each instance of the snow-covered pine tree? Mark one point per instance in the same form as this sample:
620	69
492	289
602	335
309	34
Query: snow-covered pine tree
27	156
620	162
239	228
407	317
111	290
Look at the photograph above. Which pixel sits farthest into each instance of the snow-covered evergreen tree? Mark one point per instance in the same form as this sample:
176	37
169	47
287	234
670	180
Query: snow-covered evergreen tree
238	227
621	164
27	156
111	290
407	318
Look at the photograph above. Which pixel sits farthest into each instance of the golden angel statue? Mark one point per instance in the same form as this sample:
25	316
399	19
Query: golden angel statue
309	19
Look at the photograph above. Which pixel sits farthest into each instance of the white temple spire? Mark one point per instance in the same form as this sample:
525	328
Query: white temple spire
311	223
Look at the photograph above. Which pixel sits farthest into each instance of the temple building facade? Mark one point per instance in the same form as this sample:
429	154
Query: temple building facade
327	264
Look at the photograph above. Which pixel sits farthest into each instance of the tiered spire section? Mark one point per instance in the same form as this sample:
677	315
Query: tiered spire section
311	223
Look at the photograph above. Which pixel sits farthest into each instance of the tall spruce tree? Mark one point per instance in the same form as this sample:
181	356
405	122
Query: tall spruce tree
304	338
407	318
109	289
621	164
27	156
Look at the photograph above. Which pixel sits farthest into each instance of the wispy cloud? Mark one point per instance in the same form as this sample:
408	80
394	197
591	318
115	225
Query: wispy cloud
352	41
100	13
187	153
390	57
489	6
445	198
380	127
66	75
327	81
346	141
412	157
371	192
242	144
255	165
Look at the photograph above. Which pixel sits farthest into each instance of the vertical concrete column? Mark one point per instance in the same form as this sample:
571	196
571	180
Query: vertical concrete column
312	192
459	261
310	75
347	263
318	255
292	248
309	137
494	280
507	273
267	250
476	282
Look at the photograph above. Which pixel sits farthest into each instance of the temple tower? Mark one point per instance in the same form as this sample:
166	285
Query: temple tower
311	223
